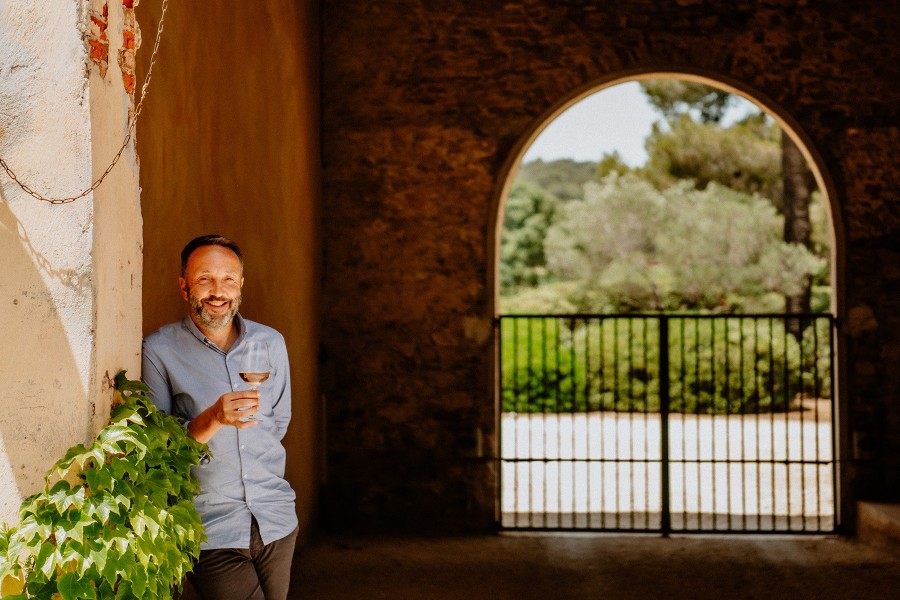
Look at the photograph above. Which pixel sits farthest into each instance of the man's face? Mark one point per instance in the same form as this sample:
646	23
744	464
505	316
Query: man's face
212	286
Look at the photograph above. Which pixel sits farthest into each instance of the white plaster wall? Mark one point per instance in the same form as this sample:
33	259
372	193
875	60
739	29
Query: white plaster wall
117	228
56	274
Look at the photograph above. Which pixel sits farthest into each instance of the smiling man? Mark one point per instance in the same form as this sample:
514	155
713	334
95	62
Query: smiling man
193	369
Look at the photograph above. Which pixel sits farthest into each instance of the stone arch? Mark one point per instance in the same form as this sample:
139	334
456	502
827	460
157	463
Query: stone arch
814	160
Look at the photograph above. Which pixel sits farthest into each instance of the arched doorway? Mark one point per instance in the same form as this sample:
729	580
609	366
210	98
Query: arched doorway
644	415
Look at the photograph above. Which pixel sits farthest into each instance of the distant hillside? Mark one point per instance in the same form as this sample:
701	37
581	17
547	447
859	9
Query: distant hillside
562	178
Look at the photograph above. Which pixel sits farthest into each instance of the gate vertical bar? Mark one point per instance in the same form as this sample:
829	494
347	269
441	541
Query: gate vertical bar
529	451
665	517
498	417
835	459
632	465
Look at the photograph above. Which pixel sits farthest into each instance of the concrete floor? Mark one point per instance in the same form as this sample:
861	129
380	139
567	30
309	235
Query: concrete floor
583	566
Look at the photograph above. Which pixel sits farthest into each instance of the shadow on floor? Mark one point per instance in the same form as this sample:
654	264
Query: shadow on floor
585	566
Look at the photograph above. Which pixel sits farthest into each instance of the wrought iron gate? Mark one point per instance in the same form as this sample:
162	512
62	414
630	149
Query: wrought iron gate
667	423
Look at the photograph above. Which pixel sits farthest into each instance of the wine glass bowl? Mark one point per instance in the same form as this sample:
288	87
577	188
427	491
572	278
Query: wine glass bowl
255	367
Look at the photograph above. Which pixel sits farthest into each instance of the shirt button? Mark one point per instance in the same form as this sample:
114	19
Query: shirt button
244	476
242	446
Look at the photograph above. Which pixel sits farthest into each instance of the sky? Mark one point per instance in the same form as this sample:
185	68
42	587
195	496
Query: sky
617	118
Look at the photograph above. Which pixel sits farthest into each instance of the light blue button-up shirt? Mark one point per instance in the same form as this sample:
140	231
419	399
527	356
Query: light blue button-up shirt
186	374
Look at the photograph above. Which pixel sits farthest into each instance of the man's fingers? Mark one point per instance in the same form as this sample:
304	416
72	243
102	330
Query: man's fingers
241	394
238	406
244	403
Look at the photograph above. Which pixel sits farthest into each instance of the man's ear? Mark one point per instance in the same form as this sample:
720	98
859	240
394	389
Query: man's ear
182	283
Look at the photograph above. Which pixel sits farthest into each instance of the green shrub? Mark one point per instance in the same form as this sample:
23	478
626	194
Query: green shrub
727	365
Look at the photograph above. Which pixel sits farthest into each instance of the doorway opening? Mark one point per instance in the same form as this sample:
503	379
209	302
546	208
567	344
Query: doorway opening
666	320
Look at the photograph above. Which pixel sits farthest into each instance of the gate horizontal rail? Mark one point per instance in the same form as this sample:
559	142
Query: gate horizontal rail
676	422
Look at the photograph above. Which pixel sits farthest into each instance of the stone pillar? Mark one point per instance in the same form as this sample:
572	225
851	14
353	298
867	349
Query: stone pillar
70	274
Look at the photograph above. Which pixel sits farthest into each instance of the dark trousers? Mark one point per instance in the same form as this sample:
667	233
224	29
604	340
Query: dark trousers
262	572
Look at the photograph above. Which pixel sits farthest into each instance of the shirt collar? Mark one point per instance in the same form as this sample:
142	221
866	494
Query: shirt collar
188	323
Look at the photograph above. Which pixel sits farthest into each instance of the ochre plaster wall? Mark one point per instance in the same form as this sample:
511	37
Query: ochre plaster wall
426	105
69	274
228	143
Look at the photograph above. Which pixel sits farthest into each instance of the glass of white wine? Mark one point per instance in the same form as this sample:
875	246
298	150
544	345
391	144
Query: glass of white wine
255	367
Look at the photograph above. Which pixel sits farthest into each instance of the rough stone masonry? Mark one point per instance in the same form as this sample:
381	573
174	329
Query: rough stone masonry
423	105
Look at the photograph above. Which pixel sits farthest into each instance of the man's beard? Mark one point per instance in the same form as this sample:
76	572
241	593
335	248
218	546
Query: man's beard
205	318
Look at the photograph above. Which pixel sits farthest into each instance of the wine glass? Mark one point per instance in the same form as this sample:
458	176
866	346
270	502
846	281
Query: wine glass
255	367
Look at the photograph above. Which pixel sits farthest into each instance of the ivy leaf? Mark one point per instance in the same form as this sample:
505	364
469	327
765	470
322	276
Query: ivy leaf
125	412
47	559
12	586
99	479
11	546
123	384
31	504
77	455
145	549
59	495
117	438
110	570
121	546
124	591
76	532
29	529
66	497
71	587
70	553
139	524
98	556
103	507
120	468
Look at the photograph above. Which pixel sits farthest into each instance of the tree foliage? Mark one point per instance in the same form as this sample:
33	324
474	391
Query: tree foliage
675	97
700	226
612	163
745	157
634	247
530	211
560	178
678	101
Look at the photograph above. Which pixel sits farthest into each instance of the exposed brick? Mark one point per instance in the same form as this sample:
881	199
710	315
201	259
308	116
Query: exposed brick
131	41
98	42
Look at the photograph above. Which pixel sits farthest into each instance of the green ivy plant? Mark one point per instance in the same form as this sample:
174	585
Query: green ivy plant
116	519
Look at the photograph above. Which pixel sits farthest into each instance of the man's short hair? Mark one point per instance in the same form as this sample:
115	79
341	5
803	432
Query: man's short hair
209	240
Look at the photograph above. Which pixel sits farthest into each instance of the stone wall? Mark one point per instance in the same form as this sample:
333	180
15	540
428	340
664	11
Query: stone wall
426	108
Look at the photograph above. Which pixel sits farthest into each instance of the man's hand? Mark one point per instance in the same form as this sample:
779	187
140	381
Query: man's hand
233	408
229	410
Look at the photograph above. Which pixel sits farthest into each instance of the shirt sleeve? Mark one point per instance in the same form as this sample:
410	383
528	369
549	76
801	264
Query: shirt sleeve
282	404
152	376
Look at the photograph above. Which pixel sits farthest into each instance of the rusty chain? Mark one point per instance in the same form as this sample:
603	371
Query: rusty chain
128	136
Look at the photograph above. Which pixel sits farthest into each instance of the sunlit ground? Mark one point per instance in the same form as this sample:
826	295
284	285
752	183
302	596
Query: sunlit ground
603	471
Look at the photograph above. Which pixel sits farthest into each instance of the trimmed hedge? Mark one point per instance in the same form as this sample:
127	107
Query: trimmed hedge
722	365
